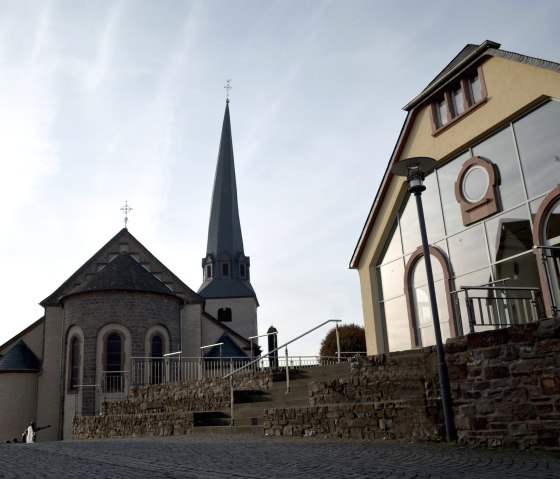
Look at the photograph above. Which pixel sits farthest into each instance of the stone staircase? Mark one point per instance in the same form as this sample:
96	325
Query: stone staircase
249	406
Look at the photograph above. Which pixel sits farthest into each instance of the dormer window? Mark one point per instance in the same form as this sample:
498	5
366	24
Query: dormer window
242	270
460	98
208	271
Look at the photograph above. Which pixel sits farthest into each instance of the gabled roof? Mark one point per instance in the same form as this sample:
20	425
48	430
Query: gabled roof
123	241
227	330
20	359
123	273
229	349
469	56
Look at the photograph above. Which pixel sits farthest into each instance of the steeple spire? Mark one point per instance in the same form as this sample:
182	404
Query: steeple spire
226	268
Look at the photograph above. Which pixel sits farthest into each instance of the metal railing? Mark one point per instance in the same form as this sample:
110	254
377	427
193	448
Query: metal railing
287	366
146	370
550	258
501	306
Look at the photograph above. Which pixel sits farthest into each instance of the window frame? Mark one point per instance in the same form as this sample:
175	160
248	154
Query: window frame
120	383
71	363
447	96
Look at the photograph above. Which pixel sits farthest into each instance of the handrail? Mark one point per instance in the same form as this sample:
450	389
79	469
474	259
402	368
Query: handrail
230	375
280	347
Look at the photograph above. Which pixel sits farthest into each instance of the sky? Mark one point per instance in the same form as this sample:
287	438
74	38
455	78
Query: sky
103	102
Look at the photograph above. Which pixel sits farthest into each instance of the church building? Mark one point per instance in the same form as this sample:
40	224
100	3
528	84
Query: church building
123	304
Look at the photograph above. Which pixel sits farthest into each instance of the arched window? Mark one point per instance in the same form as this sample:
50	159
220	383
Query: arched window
74	364
156	354
546	236
224	314
113	363
418	301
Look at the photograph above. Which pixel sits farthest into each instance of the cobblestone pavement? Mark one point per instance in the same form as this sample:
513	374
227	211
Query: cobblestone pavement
251	457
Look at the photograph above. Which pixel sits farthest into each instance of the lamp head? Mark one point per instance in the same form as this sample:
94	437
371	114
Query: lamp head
415	170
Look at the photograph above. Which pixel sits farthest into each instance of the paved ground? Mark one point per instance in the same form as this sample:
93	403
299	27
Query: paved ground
244	457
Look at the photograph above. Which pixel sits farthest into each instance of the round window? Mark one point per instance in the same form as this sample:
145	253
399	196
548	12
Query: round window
475	183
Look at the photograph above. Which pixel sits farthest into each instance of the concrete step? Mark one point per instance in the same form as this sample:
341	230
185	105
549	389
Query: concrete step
255	430
249	405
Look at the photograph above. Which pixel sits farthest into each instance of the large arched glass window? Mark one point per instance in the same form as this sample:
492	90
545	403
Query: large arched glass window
418	298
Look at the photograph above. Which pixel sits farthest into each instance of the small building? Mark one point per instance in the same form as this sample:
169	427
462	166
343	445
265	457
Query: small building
491	119
123	306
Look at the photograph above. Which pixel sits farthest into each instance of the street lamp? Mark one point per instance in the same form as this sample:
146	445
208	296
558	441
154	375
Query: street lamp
415	170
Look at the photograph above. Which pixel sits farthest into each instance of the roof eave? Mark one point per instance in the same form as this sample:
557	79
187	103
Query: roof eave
473	56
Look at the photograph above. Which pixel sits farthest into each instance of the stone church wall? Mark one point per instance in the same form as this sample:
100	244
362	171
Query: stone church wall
505	386
136	312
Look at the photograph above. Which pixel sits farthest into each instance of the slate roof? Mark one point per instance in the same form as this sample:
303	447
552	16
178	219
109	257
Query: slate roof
224	229
20	359
227	288
229	349
112	247
123	273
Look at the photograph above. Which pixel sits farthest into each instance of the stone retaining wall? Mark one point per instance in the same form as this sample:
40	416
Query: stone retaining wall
505	386
164	409
133	425
393	396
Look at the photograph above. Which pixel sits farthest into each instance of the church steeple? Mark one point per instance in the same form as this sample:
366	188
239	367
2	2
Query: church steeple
225	267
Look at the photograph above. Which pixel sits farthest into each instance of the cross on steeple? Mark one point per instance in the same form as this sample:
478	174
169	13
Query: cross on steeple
125	209
228	87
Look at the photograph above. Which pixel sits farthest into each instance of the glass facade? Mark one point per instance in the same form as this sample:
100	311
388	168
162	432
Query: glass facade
497	250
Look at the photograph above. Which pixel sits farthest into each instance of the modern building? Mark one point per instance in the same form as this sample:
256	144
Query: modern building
491	119
122	306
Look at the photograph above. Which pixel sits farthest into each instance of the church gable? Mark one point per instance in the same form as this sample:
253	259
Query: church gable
123	242
124	273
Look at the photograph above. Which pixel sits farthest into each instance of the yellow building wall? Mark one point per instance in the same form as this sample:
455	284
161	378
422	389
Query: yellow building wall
512	88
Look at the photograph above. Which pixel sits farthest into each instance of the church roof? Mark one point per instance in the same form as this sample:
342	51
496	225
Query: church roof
20	359
224	230
227	288
229	349
123	241
123	273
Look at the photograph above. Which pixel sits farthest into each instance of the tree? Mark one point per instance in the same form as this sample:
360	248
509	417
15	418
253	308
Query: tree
352	339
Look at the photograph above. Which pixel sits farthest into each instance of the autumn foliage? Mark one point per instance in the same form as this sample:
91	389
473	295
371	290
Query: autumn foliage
352	338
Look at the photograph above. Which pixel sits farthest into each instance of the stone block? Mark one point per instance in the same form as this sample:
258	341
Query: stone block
485	406
550	385
524	411
495	372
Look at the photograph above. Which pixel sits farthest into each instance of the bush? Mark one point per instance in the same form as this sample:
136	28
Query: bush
352	338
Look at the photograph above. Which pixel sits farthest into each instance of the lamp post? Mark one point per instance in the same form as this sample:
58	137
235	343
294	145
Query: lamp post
415	170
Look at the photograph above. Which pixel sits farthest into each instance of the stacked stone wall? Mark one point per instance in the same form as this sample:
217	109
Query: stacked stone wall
391	396
165	409
505	387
